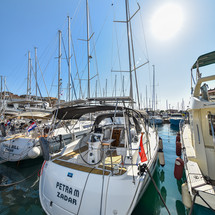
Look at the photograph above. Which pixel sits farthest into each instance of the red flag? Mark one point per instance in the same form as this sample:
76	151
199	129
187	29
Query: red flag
142	153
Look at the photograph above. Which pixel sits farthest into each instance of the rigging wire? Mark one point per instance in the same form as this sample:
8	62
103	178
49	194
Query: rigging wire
68	64
76	64
147	55
96	62
43	81
118	47
46	67
76	11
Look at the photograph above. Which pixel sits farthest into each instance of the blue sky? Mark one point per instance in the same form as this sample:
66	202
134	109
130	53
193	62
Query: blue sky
27	24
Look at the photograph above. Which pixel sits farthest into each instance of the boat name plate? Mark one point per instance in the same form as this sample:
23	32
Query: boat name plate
67	193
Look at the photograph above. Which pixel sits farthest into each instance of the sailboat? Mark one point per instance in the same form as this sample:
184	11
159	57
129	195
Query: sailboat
155	119
198	140
109	156
23	142
107	170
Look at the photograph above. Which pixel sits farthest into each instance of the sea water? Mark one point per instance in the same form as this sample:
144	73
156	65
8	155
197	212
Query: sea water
168	186
22	198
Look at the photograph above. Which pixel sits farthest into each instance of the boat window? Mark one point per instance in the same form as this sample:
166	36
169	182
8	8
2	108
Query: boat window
211	119
87	126
10	105
204	91
106	121
119	120
176	115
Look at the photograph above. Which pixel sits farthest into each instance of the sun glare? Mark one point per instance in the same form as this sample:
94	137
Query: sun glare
167	21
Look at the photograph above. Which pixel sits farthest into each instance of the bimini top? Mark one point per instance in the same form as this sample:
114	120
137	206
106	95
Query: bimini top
204	60
76	112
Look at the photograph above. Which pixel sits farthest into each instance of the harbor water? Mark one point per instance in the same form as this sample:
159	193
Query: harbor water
22	197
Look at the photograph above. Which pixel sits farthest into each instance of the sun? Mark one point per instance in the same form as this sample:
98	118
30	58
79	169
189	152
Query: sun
167	21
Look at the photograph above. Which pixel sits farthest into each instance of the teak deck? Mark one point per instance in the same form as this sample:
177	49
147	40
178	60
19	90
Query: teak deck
114	159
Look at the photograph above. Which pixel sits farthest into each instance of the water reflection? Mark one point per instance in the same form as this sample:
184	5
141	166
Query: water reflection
180	208
8	175
169	188
164	195
22	196
174	127
162	176
150	201
179	183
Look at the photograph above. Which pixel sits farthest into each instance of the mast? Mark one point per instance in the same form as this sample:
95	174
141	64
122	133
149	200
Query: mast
30	79
123	87
146	99
36	70
153	97
135	71
96	90
59	67
106	87
4	87
1	87
88	49
156	107
69	61
28	75
129	51
115	85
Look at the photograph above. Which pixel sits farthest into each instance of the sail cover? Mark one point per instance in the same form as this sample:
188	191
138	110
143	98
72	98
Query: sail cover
76	112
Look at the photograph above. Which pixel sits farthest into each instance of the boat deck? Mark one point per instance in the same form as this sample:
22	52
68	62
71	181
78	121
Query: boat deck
187	143
69	161
196	179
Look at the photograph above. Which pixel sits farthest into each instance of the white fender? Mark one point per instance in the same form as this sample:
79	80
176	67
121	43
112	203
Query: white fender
186	198
34	152
161	157
160	144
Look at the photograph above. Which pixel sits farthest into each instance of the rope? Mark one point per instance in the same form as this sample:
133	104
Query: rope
18	182
206	202
194	199
41	170
146	167
191	209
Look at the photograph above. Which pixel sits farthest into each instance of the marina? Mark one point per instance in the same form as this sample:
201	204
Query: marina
23	198
106	117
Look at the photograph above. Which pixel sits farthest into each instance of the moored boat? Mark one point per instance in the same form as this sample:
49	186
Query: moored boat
109	155
25	144
175	119
198	141
156	120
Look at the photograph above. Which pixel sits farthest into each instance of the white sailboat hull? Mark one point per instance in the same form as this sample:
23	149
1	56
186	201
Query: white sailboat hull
69	189
60	194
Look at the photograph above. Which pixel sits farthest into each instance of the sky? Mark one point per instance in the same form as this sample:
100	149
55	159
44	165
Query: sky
170	34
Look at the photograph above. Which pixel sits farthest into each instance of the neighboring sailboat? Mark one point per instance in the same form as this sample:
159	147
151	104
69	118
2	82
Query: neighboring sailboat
198	141
155	119
24	144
